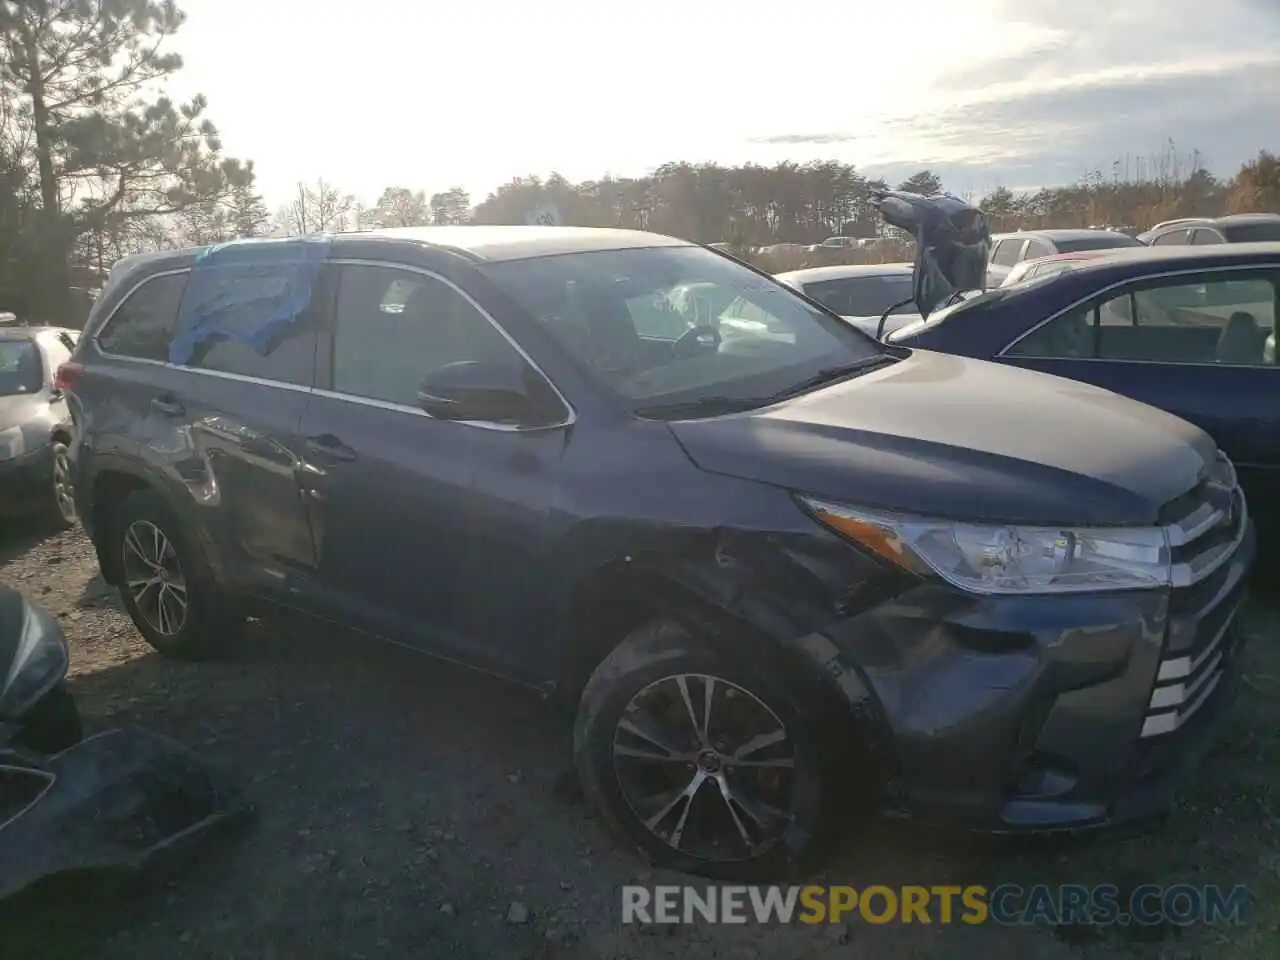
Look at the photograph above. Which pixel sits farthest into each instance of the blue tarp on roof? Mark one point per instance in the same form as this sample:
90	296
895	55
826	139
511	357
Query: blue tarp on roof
248	291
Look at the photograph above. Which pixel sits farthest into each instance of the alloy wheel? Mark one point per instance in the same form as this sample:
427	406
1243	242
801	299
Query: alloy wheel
706	766
63	491
154	577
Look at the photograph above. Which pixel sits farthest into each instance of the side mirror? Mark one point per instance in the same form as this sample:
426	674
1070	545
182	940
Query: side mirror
953	244
475	390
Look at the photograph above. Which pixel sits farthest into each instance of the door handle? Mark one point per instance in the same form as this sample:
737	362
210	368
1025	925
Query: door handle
167	406
329	446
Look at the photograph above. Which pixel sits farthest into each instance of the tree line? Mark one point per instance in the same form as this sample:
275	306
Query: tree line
95	164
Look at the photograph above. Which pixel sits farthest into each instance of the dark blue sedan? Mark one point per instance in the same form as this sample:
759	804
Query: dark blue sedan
1190	330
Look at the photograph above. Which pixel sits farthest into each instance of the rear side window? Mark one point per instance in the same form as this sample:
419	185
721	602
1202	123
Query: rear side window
243	298
1253	232
1037	248
142	325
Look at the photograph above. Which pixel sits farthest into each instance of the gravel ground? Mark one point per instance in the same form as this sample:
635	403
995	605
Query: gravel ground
405	805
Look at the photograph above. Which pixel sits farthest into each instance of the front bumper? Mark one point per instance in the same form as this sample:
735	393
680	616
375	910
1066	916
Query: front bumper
1050	713
115	801
26	481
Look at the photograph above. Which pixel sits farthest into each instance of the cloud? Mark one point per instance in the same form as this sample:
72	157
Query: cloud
1109	86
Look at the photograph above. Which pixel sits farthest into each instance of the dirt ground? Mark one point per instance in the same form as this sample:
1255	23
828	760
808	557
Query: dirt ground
405	805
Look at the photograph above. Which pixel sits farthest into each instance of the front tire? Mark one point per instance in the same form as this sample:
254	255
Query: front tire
60	511
703	764
166	585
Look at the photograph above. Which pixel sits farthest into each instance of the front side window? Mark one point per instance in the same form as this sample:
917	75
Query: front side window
1036	249
742	336
1208	319
142	326
21	369
1065	337
1007	253
863	296
1172	238
394	327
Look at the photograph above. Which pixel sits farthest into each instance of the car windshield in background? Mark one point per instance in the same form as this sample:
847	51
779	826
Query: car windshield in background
1096	243
638	320
863	296
1252	232
20	368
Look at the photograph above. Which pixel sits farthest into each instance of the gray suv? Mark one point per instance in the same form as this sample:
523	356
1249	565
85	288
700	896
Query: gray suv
782	576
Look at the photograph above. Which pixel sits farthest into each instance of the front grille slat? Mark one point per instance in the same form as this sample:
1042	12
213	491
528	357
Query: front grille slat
1205	527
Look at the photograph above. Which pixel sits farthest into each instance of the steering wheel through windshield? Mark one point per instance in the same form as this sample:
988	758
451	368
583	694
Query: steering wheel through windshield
700	339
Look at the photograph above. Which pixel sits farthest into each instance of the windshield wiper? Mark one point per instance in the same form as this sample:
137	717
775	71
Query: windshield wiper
830	375
701	407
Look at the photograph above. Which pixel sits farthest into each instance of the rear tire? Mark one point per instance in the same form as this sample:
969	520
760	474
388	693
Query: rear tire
757	797
166	585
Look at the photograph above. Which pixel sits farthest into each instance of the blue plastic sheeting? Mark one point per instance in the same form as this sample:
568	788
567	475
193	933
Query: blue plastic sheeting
248	291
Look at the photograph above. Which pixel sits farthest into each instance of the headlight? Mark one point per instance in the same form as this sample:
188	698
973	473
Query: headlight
39	662
11	444
1008	559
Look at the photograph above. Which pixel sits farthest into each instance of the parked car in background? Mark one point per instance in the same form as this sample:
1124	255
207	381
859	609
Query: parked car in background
835	244
1237	228
1010	249
8	319
860	293
1188	329
1048	266
783	577
35	424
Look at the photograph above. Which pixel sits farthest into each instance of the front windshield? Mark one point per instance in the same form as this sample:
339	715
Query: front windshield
867	296
20	368
641	321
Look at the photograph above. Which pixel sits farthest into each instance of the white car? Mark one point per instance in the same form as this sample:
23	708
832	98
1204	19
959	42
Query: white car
860	293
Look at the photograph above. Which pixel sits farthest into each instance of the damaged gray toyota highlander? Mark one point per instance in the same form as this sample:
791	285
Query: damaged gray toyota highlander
784	573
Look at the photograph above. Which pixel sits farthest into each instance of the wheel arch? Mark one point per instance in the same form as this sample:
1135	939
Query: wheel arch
710	597
111	483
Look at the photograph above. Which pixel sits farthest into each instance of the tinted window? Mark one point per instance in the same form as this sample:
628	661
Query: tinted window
1101	242
21	369
1217	320
771	339
1168	239
1070	335
1037	248
288	356
1202	237
862	296
394	327
1006	252
1253	232
142	326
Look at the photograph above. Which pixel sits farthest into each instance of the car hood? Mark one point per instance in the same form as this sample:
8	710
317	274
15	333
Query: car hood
18	409
946	436
896	321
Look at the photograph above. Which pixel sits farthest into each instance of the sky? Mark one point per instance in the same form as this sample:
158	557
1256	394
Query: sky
1023	93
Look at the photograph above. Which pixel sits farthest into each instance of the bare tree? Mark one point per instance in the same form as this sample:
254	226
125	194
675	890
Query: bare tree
318	208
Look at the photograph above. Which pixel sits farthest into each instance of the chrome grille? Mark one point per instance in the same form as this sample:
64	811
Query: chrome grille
1206	527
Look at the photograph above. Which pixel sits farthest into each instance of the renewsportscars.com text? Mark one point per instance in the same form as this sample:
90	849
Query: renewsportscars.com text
1006	904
